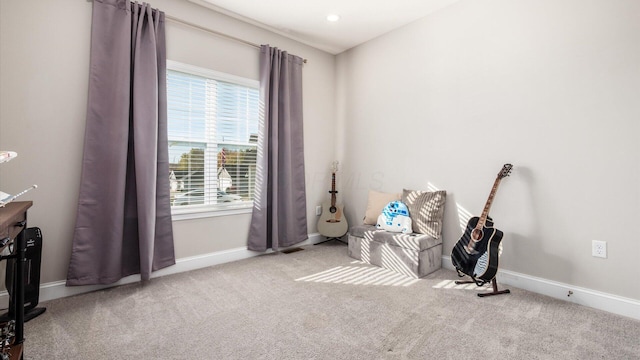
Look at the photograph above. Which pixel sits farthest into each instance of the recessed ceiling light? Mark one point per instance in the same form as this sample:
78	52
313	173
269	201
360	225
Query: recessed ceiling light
333	17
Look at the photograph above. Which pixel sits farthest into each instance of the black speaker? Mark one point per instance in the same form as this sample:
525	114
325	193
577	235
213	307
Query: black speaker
33	256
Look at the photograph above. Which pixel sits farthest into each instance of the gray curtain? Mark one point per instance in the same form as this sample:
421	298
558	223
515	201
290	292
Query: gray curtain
123	222
279	208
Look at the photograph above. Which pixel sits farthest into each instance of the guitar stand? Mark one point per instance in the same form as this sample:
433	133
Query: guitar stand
339	239
494	283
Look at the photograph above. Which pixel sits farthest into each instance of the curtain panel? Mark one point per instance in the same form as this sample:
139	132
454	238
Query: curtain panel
279	217
123	221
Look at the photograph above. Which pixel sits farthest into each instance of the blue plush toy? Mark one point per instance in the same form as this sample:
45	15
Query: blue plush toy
395	218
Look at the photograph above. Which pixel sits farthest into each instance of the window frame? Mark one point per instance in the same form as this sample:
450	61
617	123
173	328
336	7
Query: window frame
211	210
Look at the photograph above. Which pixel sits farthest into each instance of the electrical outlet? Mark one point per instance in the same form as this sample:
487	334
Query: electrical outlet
599	248
318	210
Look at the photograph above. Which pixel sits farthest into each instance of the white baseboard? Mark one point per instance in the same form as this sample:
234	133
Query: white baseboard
574	294
591	298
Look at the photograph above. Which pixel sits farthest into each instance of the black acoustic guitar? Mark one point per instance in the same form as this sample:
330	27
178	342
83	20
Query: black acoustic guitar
476	253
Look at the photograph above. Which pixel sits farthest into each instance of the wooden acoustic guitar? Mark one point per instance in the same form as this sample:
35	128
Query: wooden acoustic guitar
332	222
476	253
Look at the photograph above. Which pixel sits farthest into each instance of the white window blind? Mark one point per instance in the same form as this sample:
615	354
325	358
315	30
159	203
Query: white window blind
213	137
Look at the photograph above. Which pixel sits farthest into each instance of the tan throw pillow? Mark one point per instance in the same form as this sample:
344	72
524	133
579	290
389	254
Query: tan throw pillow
426	209
377	201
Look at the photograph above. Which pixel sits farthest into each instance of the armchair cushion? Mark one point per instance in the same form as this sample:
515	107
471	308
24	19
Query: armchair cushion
426	209
375	204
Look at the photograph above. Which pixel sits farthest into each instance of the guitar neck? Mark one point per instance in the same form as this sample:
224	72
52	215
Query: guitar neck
333	189
487	206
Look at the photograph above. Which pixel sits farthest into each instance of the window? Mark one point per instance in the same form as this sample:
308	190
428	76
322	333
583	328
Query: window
213	138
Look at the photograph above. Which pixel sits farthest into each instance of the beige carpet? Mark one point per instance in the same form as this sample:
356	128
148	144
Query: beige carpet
320	304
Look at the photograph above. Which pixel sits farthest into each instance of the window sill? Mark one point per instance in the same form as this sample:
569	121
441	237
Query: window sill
200	212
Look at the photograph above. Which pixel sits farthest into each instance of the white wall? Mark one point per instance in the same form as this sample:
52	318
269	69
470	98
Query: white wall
44	66
551	86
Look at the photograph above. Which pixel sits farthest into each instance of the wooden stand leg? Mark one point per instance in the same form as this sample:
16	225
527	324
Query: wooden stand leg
338	239
494	283
495	290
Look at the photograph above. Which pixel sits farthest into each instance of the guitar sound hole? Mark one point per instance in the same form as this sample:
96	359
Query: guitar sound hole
333	209
476	235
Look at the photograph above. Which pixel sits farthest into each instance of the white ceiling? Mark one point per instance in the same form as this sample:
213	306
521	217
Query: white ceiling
305	20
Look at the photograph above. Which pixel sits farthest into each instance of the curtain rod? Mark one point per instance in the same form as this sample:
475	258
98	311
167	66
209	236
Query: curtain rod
202	28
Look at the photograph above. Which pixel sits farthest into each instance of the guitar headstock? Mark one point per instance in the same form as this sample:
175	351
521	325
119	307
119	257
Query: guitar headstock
506	171
334	166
